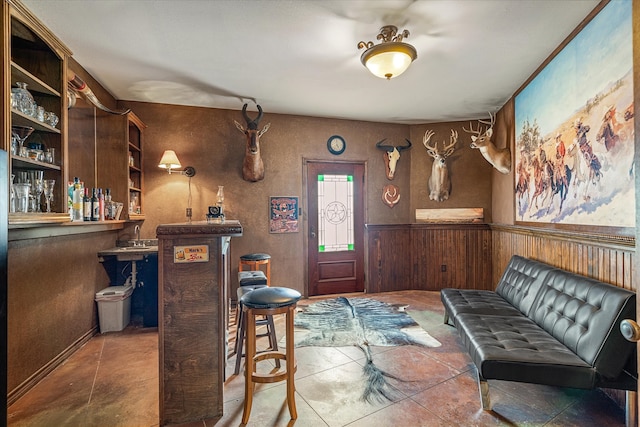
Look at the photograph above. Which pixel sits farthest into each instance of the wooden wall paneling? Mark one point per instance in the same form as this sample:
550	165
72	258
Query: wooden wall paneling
413	256
421	250
605	258
479	264
389	260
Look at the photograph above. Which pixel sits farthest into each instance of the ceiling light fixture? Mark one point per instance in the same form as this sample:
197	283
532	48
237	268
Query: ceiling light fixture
391	57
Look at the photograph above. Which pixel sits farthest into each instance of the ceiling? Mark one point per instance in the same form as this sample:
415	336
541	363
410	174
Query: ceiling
301	57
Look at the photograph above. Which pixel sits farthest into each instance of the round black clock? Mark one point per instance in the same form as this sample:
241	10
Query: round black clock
336	145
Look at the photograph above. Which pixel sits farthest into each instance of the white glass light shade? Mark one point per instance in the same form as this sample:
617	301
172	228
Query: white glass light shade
389	60
169	160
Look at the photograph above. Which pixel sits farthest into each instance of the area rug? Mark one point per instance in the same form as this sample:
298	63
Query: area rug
360	322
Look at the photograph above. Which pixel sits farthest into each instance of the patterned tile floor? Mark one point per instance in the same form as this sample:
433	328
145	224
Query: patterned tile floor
113	381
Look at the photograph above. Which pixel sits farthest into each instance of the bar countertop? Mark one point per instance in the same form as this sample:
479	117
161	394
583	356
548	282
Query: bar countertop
200	228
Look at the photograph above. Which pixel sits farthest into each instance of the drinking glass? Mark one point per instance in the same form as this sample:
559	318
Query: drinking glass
50	155
37	188
12	205
21	133
22	196
48	192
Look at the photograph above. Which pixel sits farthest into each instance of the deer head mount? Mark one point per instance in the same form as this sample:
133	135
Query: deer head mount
391	156
252	166
439	183
500	158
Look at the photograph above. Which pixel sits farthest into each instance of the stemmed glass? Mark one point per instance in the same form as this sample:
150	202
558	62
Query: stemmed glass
48	192
36	192
21	133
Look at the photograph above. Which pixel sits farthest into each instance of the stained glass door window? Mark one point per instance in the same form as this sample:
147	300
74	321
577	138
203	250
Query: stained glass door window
335	213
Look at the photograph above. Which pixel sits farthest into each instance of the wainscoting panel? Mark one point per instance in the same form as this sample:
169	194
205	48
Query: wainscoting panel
603	257
428	257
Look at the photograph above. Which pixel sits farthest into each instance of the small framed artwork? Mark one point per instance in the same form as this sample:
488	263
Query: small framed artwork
283	214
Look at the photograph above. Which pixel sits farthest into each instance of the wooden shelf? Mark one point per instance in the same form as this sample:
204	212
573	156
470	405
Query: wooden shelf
21	119
36	57
34	84
20	162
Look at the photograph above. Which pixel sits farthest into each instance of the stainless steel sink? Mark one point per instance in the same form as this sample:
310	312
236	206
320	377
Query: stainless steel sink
129	253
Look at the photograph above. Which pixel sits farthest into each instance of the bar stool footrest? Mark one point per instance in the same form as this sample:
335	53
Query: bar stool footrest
271	377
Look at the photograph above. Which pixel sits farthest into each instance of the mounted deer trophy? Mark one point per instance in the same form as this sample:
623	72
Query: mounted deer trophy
252	166
391	156
500	158
439	183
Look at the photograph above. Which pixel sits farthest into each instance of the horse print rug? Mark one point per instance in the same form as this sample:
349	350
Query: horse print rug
360	322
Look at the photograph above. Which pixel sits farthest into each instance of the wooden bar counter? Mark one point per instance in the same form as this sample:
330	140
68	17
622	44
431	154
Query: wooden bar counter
193	271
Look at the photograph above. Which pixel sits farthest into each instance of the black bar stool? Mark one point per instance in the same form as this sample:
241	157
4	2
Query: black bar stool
269	301
254	261
250	281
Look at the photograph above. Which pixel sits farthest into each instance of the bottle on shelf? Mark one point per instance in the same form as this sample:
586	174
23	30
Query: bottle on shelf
109	208
100	205
77	207
86	204
95	205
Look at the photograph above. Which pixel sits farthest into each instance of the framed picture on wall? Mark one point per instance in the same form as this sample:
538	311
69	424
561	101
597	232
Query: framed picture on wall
574	130
283	214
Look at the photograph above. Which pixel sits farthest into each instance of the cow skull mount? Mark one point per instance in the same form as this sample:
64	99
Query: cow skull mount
252	165
499	158
391	156
439	183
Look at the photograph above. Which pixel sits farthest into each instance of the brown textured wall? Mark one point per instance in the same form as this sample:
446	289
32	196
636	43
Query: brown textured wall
207	139
469	173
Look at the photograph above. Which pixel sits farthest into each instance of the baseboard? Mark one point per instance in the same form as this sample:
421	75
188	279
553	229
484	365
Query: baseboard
41	373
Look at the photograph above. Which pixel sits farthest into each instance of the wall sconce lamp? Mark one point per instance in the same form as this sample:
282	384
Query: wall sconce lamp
391	57
170	162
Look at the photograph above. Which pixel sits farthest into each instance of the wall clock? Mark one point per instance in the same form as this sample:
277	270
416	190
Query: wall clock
336	145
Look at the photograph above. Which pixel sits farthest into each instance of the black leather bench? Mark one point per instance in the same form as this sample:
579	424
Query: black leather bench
544	325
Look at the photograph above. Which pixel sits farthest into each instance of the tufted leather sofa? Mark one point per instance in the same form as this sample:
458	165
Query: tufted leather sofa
544	325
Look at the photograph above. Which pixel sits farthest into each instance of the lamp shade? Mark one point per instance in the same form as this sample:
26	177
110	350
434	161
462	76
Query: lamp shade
169	160
388	60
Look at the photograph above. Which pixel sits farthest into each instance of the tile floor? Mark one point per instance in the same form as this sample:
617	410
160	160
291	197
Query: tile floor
113	381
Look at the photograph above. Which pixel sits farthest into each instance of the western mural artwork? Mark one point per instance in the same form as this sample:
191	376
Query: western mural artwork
574	130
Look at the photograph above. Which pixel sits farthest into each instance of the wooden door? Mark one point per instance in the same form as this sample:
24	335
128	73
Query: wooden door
336	227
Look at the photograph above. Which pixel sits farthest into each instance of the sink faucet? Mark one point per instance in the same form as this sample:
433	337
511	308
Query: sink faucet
136	230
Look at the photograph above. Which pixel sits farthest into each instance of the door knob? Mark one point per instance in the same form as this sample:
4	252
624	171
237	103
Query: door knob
313	232
630	330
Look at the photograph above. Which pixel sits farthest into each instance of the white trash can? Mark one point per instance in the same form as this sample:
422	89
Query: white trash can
114	308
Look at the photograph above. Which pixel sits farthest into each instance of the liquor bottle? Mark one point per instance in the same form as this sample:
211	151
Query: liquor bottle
77	200
109	211
95	205
86	204
100	205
